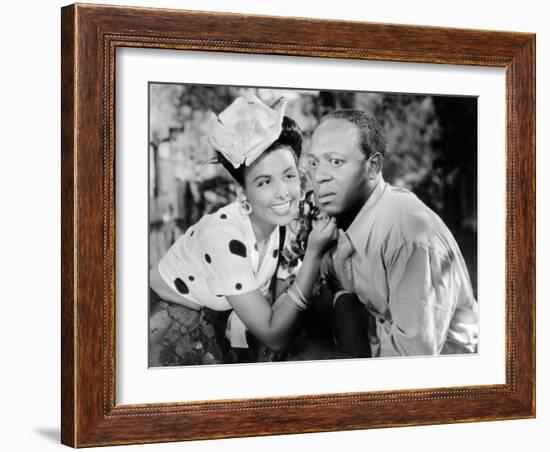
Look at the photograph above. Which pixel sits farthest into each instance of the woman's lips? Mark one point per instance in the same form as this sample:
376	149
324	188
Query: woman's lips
282	208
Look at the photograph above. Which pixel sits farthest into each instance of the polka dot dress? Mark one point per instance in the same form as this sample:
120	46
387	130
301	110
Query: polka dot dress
218	257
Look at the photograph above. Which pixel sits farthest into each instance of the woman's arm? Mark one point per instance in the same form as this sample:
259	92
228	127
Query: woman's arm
274	325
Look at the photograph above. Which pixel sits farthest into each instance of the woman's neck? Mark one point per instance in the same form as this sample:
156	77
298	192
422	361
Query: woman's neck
261	229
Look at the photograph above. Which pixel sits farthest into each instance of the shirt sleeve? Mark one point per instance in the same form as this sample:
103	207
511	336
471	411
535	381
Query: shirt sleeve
227	261
171	264
422	298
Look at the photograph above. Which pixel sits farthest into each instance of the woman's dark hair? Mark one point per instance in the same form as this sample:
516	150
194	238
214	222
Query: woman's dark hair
290	137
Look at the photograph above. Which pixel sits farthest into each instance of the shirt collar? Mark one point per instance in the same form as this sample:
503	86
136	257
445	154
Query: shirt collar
357	232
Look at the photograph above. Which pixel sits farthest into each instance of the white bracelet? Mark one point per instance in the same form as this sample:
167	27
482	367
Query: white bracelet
300	293
291	302
295	294
303	300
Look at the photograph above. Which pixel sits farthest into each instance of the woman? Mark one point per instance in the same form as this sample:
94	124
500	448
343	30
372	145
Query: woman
228	259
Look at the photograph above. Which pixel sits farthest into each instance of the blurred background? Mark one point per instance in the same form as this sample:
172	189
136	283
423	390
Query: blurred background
431	142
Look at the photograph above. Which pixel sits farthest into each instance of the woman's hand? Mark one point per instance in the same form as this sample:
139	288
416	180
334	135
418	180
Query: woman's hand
323	236
274	325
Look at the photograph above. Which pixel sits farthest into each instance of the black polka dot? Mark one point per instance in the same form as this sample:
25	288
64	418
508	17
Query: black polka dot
191	234
191	278
219	296
237	247
238	286
181	286
207	258
256	246
223	216
275	254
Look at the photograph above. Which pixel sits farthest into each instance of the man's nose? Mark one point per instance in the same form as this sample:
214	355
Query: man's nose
321	175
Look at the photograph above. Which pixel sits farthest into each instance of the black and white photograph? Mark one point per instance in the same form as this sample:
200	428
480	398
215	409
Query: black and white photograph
308	224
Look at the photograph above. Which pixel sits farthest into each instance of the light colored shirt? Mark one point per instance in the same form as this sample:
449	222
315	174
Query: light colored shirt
404	265
218	257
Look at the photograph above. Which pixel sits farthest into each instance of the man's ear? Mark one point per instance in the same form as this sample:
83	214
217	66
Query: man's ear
376	164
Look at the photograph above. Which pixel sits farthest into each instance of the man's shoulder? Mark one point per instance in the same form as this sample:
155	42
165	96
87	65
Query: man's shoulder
409	217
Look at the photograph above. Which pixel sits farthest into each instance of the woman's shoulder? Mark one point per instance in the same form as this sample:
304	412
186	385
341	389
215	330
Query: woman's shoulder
226	224
225	215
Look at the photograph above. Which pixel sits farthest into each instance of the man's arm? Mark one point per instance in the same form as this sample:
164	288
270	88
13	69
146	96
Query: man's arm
341	311
422	296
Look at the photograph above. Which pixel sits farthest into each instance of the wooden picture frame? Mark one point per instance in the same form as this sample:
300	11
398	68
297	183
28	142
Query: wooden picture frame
90	36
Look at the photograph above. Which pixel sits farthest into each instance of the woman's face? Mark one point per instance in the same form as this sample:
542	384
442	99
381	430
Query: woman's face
272	187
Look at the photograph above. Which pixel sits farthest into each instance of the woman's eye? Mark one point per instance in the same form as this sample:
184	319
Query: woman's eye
313	163
291	176
336	162
262	183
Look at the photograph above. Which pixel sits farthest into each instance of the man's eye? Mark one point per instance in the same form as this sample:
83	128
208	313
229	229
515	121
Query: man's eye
262	183
313	163
291	176
336	162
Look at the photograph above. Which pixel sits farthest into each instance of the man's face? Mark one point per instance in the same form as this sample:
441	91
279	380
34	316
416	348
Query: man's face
338	168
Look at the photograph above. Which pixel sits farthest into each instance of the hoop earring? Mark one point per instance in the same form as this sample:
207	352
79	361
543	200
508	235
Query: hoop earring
244	206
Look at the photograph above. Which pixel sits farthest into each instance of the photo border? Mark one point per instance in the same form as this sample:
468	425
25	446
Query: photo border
90	36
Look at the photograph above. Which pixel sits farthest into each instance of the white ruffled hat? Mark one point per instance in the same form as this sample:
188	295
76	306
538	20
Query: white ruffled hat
245	129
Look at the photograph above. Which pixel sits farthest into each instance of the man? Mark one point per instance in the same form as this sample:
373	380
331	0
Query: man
394	254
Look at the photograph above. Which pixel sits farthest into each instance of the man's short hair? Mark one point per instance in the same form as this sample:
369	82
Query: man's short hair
371	135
